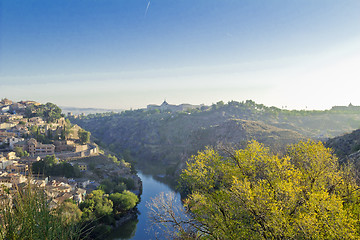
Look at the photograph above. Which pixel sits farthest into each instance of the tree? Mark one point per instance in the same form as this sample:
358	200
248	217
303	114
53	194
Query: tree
50	166
20	152
96	205
253	194
107	185
84	136
124	201
70	212
50	160
50	112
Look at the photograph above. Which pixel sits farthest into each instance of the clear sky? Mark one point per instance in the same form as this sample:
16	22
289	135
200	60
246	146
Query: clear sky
130	53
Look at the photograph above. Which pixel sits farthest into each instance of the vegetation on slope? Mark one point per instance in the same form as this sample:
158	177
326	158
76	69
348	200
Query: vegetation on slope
50	166
100	211
346	144
172	137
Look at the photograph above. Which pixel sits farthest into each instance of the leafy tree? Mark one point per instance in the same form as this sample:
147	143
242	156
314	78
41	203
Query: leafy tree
50	166
38	167
129	182
124	201
96	205
100	210
50	112
84	136
20	152
70	212
253	194
50	160
113	158
117	184
107	186
120	187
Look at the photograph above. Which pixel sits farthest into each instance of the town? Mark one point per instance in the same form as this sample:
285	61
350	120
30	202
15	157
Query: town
40	147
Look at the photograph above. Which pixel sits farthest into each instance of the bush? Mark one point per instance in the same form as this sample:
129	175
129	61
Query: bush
124	201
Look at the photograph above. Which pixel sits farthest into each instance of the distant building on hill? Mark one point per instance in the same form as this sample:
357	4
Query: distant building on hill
6	102
349	108
28	103
173	108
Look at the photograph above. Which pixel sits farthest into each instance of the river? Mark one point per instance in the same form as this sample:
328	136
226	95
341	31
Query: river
140	228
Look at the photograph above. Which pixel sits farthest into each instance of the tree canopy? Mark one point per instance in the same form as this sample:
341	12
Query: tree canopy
49	111
50	166
253	194
84	136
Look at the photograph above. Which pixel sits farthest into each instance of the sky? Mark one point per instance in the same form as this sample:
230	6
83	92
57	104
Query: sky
123	54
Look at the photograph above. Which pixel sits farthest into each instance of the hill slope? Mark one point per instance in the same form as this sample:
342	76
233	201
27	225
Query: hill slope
172	137
345	145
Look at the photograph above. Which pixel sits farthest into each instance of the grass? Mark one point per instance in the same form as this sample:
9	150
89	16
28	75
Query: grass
27	215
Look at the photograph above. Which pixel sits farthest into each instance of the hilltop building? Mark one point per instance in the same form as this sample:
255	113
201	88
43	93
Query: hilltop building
349	108
28	103
6	102
173	108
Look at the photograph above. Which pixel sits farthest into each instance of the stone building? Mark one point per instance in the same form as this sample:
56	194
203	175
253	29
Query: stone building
35	148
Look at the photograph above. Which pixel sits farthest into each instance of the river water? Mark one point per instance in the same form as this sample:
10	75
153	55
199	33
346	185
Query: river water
140	228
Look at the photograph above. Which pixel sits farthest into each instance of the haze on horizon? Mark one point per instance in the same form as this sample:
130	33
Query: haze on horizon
127	54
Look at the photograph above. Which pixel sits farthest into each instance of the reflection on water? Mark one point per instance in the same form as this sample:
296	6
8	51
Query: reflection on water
125	231
140	228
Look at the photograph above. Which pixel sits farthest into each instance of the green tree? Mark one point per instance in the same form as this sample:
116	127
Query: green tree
120	187
84	136
124	201
96	205
129	182
70	212
50	166
51	112
253	194
107	185
20	152
113	158
50	160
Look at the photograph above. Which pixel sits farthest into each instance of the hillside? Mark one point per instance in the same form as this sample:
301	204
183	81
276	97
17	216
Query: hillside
152	136
346	146
240	131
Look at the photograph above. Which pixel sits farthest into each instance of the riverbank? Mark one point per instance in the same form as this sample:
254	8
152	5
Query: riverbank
139	227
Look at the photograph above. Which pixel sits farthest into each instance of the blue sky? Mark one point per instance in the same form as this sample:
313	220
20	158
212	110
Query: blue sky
127	54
